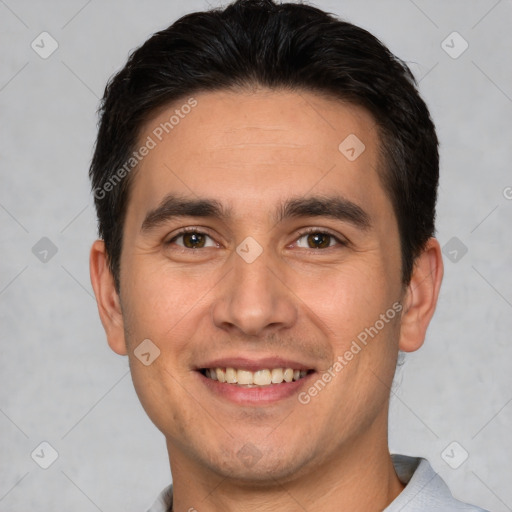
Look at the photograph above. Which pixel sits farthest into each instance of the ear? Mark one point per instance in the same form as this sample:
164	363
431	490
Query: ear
109	306
421	297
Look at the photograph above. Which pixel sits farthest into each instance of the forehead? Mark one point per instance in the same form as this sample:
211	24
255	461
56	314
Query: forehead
249	148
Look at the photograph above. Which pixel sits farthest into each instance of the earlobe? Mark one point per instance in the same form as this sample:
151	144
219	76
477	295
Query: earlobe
109	306
421	297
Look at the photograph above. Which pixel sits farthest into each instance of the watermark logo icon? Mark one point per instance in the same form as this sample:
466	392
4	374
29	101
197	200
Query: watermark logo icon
146	352
249	250
44	250
454	249
351	147
44	455
249	455
454	455
454	45
44	45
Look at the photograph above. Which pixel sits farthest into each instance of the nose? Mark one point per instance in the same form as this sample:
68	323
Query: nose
253	299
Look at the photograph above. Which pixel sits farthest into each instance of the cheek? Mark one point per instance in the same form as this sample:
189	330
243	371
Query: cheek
349	298
158	302
159	389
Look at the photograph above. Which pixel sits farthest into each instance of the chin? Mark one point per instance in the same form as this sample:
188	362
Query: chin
250	466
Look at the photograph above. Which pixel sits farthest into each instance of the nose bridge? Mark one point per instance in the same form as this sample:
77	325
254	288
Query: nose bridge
253	298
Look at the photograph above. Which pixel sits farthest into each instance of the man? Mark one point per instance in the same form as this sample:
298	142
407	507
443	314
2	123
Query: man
265	179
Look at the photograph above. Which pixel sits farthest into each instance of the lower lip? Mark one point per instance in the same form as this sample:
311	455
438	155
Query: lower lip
260	395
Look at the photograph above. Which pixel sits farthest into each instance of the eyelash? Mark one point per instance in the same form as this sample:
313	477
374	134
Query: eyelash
301	234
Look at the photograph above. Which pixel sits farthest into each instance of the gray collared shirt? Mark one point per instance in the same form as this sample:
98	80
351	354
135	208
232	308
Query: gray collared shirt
425	490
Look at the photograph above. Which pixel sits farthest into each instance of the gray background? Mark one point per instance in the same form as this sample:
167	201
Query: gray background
60	381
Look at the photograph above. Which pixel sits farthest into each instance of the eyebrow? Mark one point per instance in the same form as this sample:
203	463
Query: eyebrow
173	206
334	207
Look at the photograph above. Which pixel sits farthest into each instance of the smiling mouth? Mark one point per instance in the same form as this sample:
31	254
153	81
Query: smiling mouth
246	378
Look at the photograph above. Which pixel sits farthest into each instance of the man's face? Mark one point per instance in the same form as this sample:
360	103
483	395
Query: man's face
286	279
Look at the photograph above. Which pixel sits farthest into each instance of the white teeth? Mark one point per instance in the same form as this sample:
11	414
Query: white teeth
263	377
231	375
277	375
245	377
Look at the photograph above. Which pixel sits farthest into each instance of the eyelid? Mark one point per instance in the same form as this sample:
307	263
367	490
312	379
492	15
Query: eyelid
307	231
189	229
299	234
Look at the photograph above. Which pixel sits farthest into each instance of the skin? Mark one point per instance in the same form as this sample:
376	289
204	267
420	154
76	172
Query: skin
251	150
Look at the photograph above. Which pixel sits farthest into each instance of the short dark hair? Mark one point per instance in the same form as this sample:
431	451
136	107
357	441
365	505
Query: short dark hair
280	46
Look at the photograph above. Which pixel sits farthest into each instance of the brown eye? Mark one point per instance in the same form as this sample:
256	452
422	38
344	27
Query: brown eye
192	240
319	240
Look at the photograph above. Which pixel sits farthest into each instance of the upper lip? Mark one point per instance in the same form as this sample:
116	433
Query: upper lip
255	364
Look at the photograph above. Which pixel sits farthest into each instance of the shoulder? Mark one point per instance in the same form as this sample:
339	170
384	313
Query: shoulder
163	503
424	489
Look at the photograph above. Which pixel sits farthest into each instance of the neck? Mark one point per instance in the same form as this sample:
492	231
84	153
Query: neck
359	476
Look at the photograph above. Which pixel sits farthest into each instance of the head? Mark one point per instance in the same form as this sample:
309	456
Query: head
297	154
